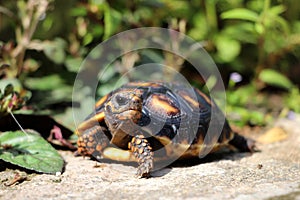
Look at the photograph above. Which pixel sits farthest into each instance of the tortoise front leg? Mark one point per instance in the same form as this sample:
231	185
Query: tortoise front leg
92	142
142	150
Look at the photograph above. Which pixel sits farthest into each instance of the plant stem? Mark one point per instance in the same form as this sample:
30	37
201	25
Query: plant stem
266	5
34	9
211	16
261	41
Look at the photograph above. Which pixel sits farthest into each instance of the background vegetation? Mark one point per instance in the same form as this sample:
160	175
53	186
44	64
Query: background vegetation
255	44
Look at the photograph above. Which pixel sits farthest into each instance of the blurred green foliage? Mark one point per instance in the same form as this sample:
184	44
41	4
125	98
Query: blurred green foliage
43	43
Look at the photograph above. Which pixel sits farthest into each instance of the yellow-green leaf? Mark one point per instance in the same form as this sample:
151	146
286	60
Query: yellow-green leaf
30	151
274	78
240	13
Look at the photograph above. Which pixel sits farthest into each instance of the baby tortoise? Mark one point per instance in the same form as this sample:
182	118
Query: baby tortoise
147	121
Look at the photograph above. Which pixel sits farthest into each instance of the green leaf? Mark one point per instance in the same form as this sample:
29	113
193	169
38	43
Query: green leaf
112	19
9	89
107	74
55	50
259	27
151	56
78	11
277	10
228	48
73	64
240	96
274	78
200	28
292	99
17	86
87	39
243	31
97	31
240	13
211	82
54	87
283	23
256	118
49	82
30	151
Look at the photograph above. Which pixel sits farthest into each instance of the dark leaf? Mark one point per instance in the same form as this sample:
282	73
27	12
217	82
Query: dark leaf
30	151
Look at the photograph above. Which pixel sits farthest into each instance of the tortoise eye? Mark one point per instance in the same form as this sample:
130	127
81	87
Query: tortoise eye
121	100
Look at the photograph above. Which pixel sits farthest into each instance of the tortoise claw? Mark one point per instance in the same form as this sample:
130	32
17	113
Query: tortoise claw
143	152
252	145
144	168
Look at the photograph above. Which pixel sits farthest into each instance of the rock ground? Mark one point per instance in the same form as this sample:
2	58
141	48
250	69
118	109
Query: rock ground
273	173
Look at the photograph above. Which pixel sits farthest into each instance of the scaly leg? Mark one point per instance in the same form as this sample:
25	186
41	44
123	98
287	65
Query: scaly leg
92	142
142	150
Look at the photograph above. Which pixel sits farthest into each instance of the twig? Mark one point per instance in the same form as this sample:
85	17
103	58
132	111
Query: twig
34	9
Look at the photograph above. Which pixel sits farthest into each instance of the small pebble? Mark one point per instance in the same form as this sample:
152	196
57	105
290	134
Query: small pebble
57	173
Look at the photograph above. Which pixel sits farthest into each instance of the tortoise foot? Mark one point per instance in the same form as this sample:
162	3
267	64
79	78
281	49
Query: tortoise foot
142	150
92	142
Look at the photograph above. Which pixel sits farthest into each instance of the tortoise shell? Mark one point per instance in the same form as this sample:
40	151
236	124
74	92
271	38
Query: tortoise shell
147	121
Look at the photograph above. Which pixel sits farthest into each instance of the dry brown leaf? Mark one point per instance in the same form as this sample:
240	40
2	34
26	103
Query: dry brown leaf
275	134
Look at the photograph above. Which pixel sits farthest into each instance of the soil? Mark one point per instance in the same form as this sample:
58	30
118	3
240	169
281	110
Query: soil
271	173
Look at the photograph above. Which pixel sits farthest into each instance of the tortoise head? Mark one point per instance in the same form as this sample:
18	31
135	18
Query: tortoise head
124	105
122	112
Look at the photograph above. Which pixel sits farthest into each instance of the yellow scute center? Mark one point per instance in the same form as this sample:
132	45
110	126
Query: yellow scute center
162	104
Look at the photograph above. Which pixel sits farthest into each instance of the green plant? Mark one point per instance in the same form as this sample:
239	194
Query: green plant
273	35
12	96
30	151
292	99
240	104
30	12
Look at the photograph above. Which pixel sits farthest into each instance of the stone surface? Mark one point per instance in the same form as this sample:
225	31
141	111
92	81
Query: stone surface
270	174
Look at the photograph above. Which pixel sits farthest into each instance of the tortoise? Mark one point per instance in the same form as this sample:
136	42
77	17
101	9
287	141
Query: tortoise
152	121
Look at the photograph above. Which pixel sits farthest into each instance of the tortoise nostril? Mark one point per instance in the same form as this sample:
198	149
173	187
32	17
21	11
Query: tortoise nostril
136	100
108	108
